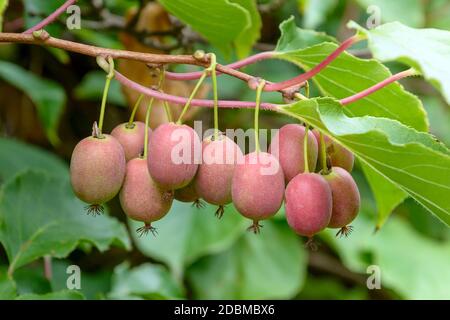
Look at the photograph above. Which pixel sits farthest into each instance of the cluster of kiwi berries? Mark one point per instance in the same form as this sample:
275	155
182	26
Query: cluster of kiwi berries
103	166
140	166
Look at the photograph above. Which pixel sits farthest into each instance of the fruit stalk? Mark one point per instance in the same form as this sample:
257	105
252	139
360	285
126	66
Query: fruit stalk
191	97
109	77
135	108
259	90
147	122
305	149
212	70
407	73
323	152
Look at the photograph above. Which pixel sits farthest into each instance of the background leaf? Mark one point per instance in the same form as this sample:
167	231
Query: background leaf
187	233
395	11
315	11
48	96
7	286
270	265
3	6
39	215
401	253
91	88
146	281
59	295
427	50
248	37
17	156
221	22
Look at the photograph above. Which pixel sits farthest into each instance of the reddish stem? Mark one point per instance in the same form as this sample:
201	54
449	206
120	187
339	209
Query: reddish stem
235	65
195	102
378	86
52	17
311	73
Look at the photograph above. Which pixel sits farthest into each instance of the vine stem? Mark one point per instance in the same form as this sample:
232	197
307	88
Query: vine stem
407	73
311	73
259	90
305	149
94	51
195	102
235	65
52	17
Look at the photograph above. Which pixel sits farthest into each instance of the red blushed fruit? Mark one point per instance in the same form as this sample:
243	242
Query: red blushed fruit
97	170
174	155
141	198
338	156
308	203
288	146
131	138
215	173
257	187
346	199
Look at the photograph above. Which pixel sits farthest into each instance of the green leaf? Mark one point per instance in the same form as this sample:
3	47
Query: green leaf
91	88
348	75
315	11
17	156
271	265
329	288
402	254
3	6
294	38
410	12
61	295
146	281
8	289
413	161
48	96
187	233
221	22
39	215
387	195
251	33
427	50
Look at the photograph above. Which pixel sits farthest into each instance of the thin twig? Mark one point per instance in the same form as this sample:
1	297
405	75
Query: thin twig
52	17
